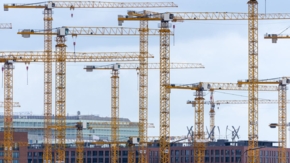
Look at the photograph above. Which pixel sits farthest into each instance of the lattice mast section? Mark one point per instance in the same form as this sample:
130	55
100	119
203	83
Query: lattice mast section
80	142
164	149
47	156
212	116
131	153
253	155
198	144
60	97
282	122
143	91
8	112
115	115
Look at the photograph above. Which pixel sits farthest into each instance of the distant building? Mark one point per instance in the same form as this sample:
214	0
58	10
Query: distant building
33	124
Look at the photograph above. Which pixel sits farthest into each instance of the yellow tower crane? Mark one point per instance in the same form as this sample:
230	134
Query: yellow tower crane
108	31
48	7
9	57
199	137
115	96
213	103
251	16
282	111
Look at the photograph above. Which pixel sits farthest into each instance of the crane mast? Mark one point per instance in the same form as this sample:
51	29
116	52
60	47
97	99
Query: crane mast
164	149
115	115
80	142
143	91
47	156
198	144
253	155
8	111
60	97
282	122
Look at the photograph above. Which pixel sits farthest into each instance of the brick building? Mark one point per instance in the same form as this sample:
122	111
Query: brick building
19	152
221	151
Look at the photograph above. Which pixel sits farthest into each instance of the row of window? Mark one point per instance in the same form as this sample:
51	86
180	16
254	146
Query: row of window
14	161
14	155
73	153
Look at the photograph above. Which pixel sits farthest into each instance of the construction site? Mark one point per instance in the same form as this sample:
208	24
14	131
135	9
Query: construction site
208	81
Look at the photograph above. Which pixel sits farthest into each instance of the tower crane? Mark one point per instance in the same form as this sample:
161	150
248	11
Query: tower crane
92	31
199	138
116	31
252	16
8	58
221	102
115	94
282	83
48	6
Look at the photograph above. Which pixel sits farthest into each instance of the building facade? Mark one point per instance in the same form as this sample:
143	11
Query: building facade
221	151
94	127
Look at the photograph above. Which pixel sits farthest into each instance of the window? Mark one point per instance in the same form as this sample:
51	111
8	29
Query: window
107	153
222	159
227	159
233	159
211	152
95	153
15	155
101	153
177	159
238	152
217	159
238	159
211	159
227	152
72	160
100	159
66	153
95	160
73	153
125	153
222	152
15	161
206	159
89	153
217	152
176	152
1	154
206	152
124	160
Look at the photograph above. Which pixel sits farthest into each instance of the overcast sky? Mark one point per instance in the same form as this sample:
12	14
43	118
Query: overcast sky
221	46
